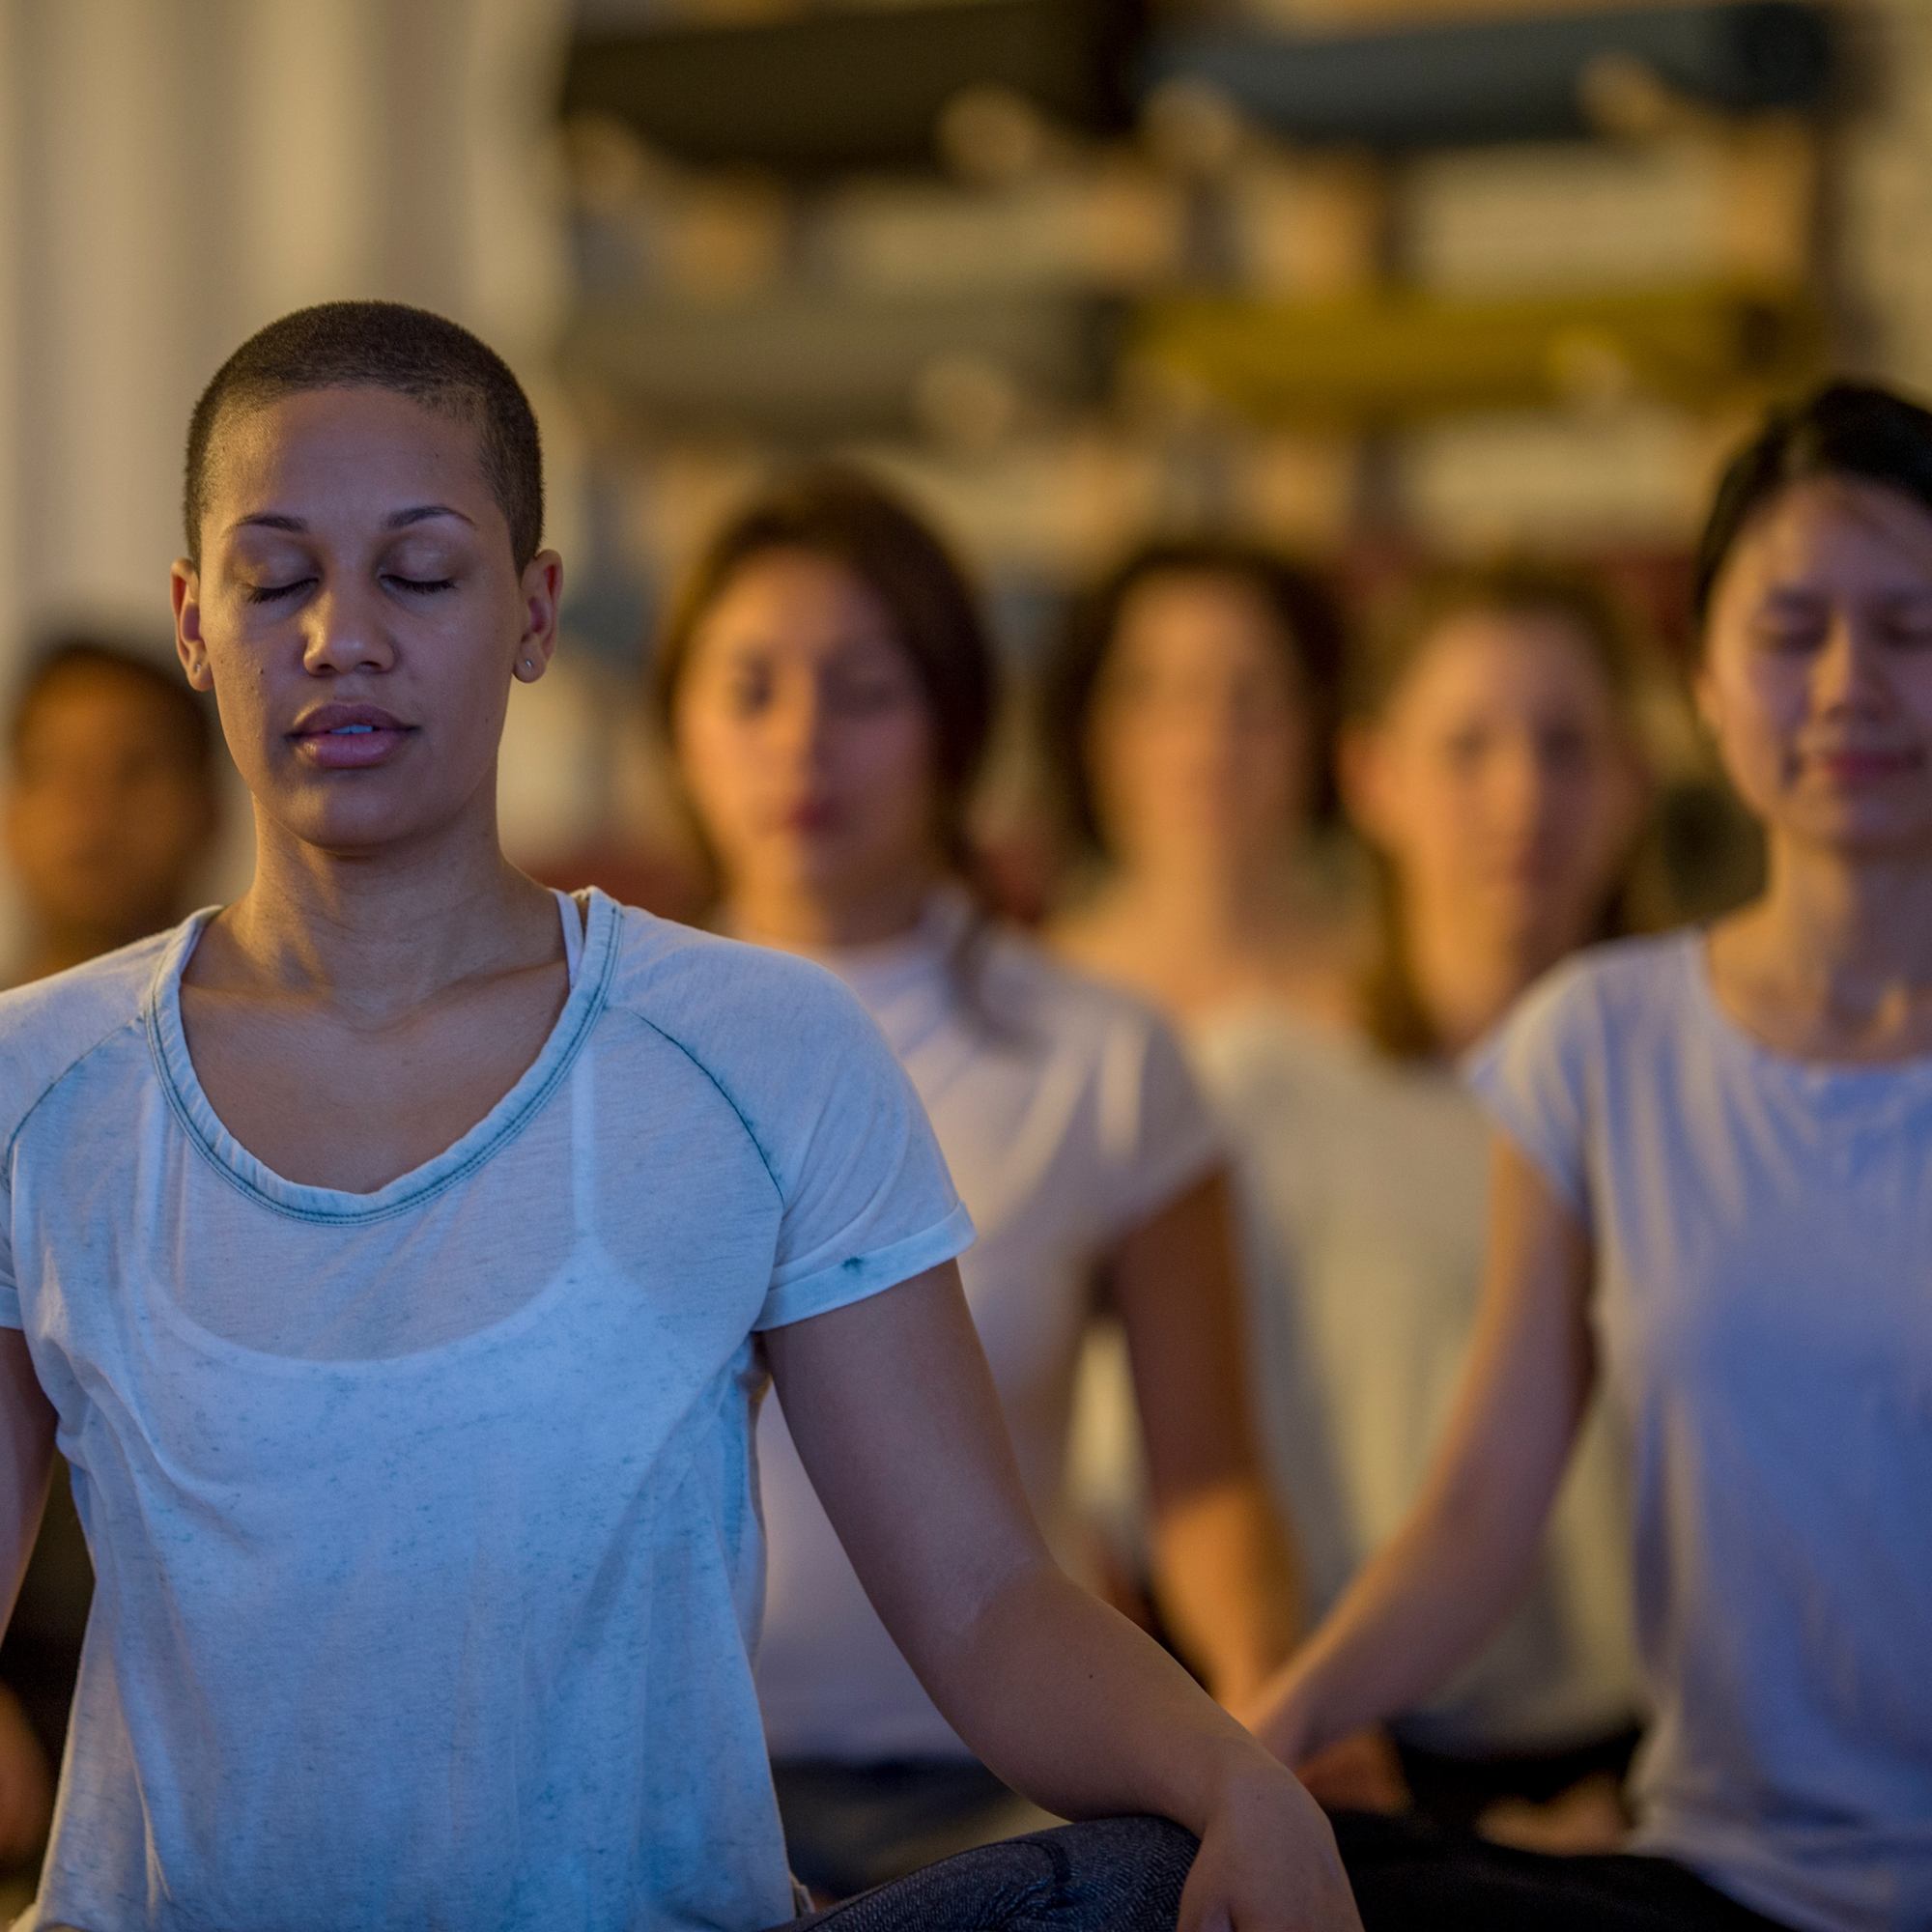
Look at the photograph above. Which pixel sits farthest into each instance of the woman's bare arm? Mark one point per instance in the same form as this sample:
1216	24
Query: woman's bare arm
895	1418
1222	1566
1469	1548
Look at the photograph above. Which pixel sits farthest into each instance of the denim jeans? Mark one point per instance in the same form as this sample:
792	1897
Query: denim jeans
1109	1875
851	1826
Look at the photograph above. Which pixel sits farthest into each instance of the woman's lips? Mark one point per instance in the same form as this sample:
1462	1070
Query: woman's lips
350	737
809	817
1865	767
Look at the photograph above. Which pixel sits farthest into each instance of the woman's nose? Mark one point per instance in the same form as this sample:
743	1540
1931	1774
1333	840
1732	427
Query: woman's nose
344	633
1849	673
798	722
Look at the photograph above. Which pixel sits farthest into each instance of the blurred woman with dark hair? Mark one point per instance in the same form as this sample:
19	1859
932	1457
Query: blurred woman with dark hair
1491	760
1709	1188
1189	717
828	688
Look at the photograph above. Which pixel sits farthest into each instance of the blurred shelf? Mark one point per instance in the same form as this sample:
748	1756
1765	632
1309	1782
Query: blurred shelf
1734	203
1527	78
855	89
809	365
1474	485
869	88
1394	358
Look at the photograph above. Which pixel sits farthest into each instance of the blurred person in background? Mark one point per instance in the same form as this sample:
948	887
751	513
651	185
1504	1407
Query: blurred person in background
828	688
112	808
1189	716
113	803
1492	761
1710	1189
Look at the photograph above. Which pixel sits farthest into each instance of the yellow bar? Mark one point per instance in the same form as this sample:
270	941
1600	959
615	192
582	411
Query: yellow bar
1391	359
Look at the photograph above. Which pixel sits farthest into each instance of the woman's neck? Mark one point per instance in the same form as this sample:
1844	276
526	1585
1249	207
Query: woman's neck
1215	905
1467	971
381	932
1835	958
805	918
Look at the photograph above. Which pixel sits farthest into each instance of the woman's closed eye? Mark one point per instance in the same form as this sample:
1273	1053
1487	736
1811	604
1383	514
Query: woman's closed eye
418	586
1910	626
275	593
1792	621
863	693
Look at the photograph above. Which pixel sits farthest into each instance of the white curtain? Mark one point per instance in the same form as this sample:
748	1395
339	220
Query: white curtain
174	173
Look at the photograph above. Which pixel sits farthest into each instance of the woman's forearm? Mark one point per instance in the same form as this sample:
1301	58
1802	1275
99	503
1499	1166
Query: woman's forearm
1420	1607
1225	1579
1469	1548
1084	1713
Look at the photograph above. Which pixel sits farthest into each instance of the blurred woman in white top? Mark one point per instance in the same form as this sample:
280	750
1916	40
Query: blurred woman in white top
1490	760
1709	1195
828	689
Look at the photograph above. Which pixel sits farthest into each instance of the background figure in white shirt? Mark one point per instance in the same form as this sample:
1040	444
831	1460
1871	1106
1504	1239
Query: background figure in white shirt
1492	767
828	688
1713	1190
1491	760
1188	716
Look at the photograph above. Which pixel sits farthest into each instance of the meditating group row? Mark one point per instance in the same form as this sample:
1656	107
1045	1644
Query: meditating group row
1525	1313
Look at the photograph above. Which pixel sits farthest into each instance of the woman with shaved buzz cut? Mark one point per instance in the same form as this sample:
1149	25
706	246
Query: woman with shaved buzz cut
399	1256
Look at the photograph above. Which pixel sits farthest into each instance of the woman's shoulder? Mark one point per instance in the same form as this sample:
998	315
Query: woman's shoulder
1612	988
1027	982
49	1026
1615	1016
702	987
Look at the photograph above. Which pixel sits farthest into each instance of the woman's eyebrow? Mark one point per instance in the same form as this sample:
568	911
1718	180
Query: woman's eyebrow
421	513
399	520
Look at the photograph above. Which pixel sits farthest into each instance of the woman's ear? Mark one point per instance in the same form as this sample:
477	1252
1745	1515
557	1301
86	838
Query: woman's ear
542	590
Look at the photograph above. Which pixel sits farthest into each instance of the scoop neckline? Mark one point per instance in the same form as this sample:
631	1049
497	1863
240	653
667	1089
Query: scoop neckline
463	1156
1697	952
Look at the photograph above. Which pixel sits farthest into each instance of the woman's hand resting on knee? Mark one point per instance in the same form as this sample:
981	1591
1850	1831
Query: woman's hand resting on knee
895	1415
1267	1860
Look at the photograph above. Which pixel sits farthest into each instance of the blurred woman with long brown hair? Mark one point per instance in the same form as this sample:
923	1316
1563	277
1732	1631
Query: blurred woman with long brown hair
828	688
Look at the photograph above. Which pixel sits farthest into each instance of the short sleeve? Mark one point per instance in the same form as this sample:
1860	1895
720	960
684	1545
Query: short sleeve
1533	1077
1157	1137
868	1200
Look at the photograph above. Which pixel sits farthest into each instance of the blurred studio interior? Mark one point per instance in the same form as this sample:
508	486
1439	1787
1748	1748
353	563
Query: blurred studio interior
1369	280
1375	284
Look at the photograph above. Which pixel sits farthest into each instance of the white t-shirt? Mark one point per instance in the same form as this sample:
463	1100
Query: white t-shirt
1363	1182
1763	1306
425	1520
1067	1117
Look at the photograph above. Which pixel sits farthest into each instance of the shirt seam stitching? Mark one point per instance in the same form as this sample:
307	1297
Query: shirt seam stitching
61	1078
723	1092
